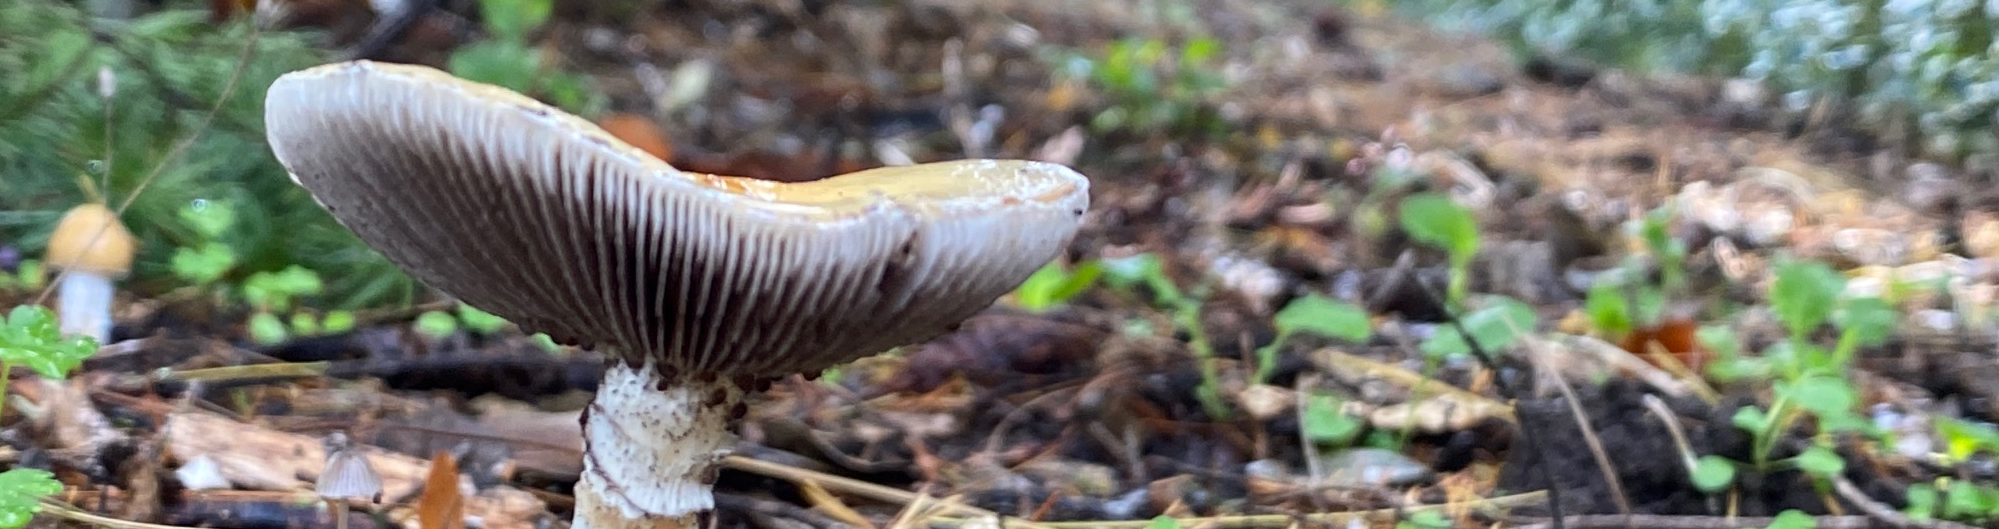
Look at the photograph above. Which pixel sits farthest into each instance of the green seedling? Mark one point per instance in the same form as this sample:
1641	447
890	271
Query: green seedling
1053	286
1624	299
1793	519
1149	271
273	296
208	259
1713	474
1495	327
1436	220
1807	380
1326	424
437	325
510	59
1153	85
479	321
1425	520
1314	315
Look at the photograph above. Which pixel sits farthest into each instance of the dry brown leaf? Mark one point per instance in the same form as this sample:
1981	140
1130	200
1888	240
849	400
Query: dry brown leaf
441	506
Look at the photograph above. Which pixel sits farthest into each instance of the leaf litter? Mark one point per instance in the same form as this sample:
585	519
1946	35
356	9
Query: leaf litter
1245	333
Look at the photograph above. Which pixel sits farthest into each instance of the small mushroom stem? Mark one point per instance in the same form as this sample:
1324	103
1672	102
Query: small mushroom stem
651	446
83	305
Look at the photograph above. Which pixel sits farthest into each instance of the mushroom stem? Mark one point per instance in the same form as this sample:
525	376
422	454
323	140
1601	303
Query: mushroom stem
651	447
83	305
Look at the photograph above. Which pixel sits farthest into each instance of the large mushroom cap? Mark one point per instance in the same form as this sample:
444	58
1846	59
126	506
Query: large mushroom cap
543	218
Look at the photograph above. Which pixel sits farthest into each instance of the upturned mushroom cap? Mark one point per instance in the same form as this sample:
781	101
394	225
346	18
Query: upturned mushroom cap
90	239
543	218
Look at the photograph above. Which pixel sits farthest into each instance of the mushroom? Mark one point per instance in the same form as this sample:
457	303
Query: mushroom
90	249
700	288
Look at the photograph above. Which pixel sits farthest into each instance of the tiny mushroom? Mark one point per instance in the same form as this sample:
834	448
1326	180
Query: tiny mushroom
90	249
701	288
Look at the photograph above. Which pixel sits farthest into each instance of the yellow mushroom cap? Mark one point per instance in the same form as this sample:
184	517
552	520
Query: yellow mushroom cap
543	218
90	239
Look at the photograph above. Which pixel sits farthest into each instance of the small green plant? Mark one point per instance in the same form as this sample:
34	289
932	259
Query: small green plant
436	324
1149	271
1314	315
1495	326
207	258
1052	285
1626	298
1435	219
509	59
21	491
1793	519
273	299
1153	86
27	276
1807	380
30	338
1326	424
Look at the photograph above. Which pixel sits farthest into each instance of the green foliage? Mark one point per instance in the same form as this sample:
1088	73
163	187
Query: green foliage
1624	299
1153	86
1497	326
1325	424
1713	474
436	324
1315	315
65	143
1147	270
1792	519
1922	502
30	338
1052	286
509	59
1437	220
1430	519
479	321
21	491
1931	65
1163	522
1806	379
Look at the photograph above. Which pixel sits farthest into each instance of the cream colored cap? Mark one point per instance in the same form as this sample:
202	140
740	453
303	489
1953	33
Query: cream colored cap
541	217
90	239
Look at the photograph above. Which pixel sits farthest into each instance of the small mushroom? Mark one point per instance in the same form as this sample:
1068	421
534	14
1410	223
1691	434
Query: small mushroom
90	249
701	287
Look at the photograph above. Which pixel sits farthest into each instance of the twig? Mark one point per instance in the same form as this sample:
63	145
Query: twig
763	507
1662	521
863	488
63	511
1884	513
248	372
1538	356
1286	520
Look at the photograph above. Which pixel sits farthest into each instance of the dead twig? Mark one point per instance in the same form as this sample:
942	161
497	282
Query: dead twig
864	489
1661	521
1884	513
1287	520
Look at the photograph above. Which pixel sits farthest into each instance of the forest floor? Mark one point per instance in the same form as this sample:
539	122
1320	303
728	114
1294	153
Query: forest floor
1260	168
